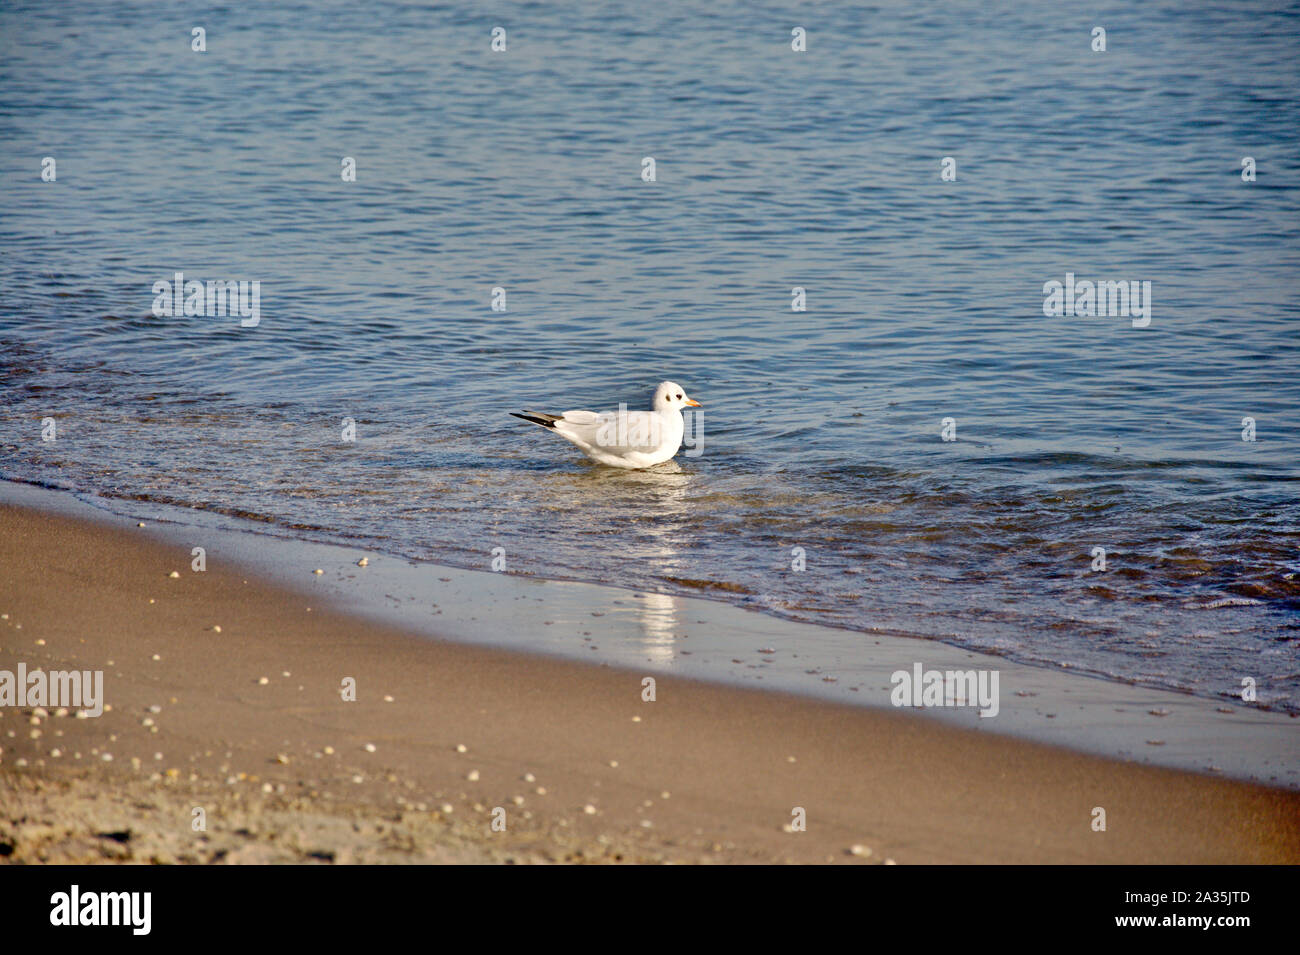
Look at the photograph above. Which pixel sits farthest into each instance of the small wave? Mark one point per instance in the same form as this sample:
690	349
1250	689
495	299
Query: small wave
1228	602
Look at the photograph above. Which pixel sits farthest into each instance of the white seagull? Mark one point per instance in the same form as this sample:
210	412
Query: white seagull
624	439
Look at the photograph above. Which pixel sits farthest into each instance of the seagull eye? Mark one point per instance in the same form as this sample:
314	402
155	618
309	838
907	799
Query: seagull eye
679	397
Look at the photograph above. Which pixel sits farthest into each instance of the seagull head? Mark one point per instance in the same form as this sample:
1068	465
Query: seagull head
669	396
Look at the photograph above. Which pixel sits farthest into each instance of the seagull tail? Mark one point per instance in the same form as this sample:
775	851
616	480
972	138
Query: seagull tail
539	417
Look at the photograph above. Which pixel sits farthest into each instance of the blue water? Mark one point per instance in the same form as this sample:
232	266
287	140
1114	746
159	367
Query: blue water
775	169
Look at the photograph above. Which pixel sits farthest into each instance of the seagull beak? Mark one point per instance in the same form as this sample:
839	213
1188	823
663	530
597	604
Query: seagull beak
693	403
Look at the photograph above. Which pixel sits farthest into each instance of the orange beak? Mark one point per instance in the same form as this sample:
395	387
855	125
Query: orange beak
693	403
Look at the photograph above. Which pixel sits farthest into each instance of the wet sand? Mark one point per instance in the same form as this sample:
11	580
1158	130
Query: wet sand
249	725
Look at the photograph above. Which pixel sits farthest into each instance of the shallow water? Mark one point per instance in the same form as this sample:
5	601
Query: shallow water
774	169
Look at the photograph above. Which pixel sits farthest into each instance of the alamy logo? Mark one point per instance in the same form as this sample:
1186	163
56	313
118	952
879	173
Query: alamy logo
1123	299
75	689
103	908
623	430
208	299
639	429
922	687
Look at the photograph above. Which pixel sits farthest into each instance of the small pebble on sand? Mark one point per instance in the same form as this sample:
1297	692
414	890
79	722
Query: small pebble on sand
262	681
174	574
462	748
370	747
318	571
472	775
363	561
589	809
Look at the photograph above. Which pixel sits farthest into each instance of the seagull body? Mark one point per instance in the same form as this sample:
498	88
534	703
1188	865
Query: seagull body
624	439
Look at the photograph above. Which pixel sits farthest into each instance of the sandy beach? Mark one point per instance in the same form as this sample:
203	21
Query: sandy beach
248	724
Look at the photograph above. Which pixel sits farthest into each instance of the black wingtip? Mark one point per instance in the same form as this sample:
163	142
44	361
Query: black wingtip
536	420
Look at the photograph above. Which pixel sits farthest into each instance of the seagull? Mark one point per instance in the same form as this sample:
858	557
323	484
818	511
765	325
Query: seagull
622	438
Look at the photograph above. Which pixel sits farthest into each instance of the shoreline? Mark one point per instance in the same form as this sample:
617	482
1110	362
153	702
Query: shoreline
717	643
577	761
